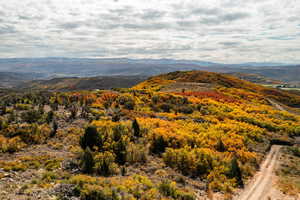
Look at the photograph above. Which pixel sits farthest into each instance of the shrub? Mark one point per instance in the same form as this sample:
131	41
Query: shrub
127	101
137	153
19	106
31	116
186	109
49	176
104	164
295	151
165	107
195	162
87	161
168	189
120	150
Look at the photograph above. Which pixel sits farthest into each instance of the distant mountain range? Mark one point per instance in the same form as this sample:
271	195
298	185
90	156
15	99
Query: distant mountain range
47	68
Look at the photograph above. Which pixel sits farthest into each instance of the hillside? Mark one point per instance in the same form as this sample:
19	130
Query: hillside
256	78
222	81
92	83
178	136
12	79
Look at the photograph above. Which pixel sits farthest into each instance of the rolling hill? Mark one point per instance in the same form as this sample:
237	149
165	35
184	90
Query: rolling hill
90	83
220	80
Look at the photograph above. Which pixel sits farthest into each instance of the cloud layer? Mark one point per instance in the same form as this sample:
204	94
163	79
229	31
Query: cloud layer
216	30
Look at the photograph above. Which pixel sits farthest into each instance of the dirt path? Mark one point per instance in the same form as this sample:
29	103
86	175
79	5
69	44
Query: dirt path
276	105
259	187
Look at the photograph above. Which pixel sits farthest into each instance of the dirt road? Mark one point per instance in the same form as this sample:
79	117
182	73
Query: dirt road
261	184
276	105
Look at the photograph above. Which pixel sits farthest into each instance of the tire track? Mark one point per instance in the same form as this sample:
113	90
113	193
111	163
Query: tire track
262	183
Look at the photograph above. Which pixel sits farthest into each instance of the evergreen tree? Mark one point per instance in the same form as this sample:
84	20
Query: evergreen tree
235	171
54	128
136	128
50	116
90	138
220	146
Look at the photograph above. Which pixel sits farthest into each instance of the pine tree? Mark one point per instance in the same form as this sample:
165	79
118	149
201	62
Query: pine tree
90	138
54	128
50	116
220	146
236	172
136	128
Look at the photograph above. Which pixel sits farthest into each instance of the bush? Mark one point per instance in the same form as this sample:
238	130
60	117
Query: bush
23	106
186	109
137	153
165	107
104	164
127	101
295	151
87	161
195	162
168	189
31	116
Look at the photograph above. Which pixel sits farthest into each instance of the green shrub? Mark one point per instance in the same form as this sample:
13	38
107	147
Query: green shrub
104	164
295	151
87	161
186	109
31	116
165	107
168	189
20	106
137	153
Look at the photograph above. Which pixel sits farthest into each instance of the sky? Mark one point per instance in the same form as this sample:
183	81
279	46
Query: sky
227	31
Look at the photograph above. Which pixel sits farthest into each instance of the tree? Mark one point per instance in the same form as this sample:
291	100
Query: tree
90	138
158	145
54	128
120	150
136	128
235	171
220	146
50	116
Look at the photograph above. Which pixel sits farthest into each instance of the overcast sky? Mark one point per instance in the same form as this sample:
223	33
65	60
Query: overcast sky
228	31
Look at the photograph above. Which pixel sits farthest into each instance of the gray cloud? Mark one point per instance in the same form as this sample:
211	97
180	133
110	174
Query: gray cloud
70	25
151	14
240	30
7	29
230	44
